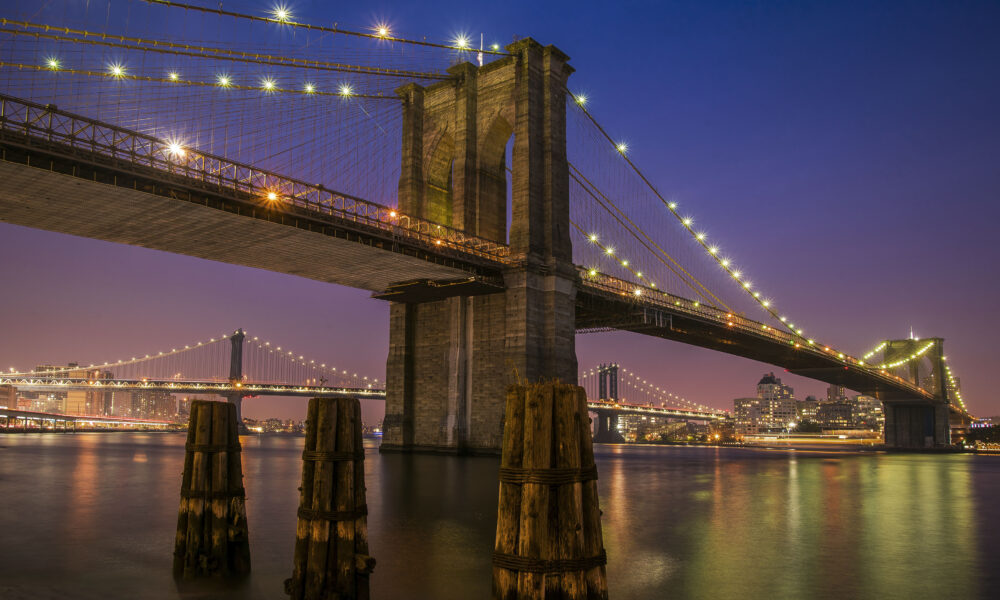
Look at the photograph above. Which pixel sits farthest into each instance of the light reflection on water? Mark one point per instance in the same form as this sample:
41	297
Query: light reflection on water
93	516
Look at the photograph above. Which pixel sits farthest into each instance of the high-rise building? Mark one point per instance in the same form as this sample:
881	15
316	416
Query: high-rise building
836	393
150	404
867	413
79	402
774	409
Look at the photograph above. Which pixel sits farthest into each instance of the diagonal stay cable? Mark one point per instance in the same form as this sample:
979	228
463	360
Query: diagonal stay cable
577	175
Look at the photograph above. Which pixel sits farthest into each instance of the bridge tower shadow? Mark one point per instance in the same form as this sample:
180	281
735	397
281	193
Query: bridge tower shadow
453	349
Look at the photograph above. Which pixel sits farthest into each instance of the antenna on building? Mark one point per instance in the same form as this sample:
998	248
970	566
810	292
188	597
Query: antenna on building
479	56
911	332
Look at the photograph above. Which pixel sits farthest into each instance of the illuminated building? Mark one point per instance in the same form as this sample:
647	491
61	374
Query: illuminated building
8	396
771	411
868	413
807	409
835	415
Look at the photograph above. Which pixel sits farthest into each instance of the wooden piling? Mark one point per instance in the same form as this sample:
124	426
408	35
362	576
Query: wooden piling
548	541
331	546
212	536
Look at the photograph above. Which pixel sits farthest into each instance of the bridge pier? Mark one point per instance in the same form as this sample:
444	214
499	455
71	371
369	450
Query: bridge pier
916	425
607	429
450	360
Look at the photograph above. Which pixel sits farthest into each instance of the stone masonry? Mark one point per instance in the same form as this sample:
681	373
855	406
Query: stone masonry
450	360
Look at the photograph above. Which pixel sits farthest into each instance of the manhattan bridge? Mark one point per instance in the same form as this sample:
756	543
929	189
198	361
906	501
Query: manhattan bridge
466	182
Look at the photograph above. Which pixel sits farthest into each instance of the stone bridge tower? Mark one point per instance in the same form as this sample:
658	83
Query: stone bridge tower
451	359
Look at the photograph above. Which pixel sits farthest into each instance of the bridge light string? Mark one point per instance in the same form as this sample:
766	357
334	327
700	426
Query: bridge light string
953	387
639	385
133	361
920	352
308	364
286	20
86	37
222	80
688	223
874	351
642	237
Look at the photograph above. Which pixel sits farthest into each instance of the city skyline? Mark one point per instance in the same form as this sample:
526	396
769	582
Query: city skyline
862	202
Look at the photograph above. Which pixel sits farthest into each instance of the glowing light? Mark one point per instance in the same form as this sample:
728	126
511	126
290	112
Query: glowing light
592	272
688	222
746	285
672	206
725	262
581	99
267	84
272	197
766	303
624	263
495	47
345	89
175	149
173	76
392	214
593	237
382	30
609	251
52	63
637	292
736	274
116	70
622	147
700	236
281	13
224	81
713	250
462	41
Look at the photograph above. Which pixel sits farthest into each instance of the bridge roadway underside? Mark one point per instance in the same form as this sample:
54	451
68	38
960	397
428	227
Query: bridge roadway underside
69	196
599	309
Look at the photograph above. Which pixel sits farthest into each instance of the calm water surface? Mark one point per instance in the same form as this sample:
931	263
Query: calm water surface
93	516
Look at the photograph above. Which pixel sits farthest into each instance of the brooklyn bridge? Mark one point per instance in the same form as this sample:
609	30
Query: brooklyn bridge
468	186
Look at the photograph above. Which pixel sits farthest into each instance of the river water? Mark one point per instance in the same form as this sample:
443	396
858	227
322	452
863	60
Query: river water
93	516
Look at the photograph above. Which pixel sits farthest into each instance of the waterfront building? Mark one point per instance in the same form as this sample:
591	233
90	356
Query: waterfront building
8	397
835	415
807	409
867	413
836	393
772	410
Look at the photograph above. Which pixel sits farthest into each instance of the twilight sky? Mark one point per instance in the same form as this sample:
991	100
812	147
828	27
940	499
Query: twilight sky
847	153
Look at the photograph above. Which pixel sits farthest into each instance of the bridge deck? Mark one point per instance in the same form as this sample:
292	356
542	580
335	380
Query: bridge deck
52	179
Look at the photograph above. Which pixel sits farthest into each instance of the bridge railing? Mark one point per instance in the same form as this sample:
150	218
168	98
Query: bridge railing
677	304
214	172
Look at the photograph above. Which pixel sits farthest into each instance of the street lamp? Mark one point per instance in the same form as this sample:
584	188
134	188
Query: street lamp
791	426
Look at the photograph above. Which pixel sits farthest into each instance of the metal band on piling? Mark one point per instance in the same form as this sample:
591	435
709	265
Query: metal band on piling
333	515
315	455
525	564
552	476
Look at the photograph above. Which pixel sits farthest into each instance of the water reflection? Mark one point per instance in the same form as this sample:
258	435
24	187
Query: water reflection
93	516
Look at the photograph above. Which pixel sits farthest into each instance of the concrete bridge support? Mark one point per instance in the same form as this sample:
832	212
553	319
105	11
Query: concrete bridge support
450	360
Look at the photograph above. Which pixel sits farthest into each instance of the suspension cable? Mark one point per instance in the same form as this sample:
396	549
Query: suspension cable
334	29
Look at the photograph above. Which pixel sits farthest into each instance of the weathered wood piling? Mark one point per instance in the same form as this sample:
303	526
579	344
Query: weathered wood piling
548	543
212	538
331	538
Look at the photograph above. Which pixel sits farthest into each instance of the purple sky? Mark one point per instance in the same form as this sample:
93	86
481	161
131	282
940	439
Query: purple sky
848	154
